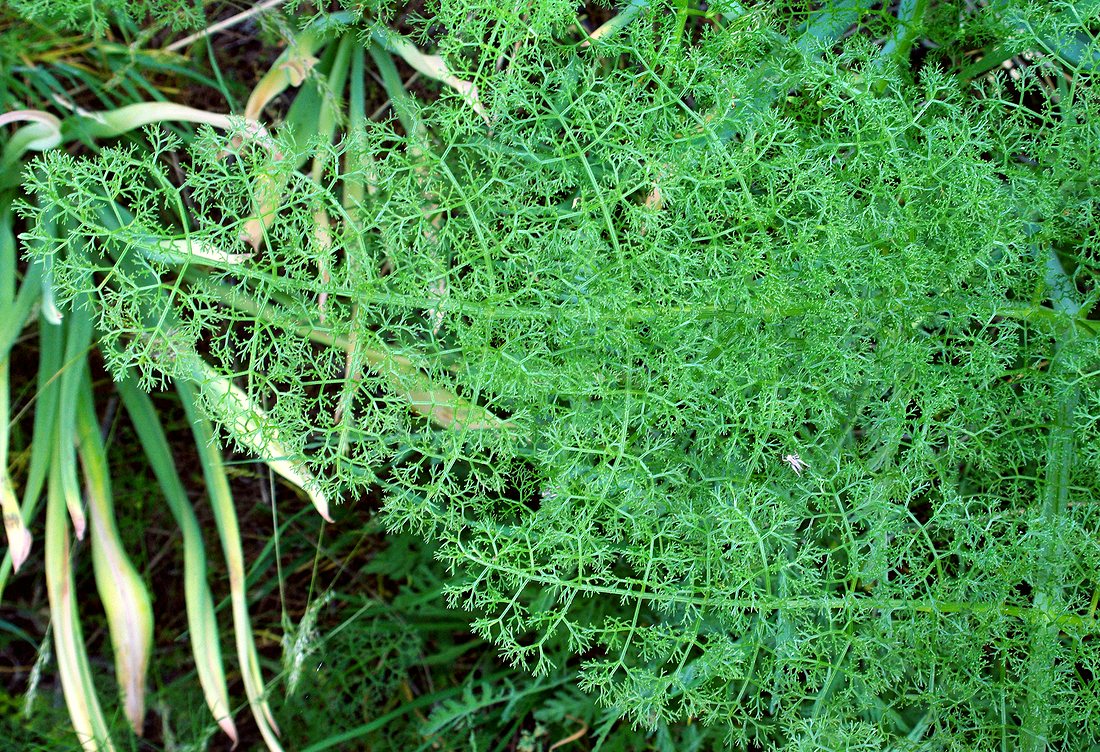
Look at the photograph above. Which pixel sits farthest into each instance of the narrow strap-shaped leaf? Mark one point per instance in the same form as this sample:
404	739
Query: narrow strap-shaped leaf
19	537
78	328
432	66
200	604
44	132
249	426
828	22
51	342
225	516
72	659
121	588
17	312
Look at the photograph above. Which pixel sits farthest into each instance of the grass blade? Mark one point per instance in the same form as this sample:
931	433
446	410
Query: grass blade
51	343
200	604
19	537
225	516
432	66
248	425
79	330
16	306
72	660
121	588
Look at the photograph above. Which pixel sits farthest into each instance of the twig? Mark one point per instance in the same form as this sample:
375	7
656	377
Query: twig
386	105
225	24
572	737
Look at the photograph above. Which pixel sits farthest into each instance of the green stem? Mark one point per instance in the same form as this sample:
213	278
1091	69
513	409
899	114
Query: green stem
1056	485
1033	614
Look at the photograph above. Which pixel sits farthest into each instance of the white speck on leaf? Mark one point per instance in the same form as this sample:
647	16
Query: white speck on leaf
795	462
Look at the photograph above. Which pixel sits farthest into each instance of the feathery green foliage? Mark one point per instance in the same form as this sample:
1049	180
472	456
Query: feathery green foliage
96	16
742	355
